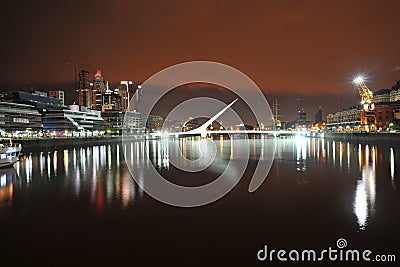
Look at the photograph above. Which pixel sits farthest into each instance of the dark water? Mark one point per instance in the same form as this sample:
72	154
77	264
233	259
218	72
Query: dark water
80	206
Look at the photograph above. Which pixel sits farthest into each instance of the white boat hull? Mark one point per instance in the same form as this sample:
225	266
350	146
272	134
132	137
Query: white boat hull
9	154
8	162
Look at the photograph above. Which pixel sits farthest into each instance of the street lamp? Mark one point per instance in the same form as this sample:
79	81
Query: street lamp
391	126
359	80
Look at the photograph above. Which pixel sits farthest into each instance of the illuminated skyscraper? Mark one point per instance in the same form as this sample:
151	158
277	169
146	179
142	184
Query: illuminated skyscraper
123	91
84	79
99	88
111	101
302	114
318	115
84	91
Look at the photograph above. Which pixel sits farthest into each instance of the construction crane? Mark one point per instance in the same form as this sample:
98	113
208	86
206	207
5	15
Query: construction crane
76	66
367	116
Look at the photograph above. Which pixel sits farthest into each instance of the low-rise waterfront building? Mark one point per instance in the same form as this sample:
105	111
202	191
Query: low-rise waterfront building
74	120
350	118
40	93
394	95
19	117
396	114
385	114
154	123
382	96
395	92
133	123
58	94
113	121
38	99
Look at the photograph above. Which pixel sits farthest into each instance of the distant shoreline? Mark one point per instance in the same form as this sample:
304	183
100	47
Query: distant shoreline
34	144
29	144
383	137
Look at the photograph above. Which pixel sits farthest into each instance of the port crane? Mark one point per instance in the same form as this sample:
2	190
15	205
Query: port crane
76	66
367	116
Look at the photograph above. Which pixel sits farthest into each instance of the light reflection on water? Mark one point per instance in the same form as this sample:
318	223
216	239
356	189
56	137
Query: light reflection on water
301	153
7	177
362	163
392	167
92	171
99	173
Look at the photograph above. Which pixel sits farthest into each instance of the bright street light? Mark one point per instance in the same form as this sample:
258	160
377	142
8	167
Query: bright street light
359	80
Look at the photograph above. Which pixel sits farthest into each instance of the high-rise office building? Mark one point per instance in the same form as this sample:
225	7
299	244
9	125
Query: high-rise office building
112	110
111	101
123	91
84	79
302	114
84	91
318	115
99	88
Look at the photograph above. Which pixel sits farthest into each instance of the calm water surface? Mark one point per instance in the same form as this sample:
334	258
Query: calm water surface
80	206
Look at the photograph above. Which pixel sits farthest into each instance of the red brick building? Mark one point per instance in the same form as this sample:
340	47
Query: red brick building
384	113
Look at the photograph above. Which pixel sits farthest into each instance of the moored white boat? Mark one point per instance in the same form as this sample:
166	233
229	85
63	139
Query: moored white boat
9	154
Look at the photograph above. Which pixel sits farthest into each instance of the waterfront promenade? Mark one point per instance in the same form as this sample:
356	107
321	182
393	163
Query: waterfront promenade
372	136
59	142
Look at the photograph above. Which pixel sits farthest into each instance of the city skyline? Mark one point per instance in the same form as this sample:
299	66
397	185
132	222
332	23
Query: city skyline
215	132
292	50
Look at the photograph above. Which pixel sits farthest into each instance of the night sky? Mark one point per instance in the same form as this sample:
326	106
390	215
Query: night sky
304	53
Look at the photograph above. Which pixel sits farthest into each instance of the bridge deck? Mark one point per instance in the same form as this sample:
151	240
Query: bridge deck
267	132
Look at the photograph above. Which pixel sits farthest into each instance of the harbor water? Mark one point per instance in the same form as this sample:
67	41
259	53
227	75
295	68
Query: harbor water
79	205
